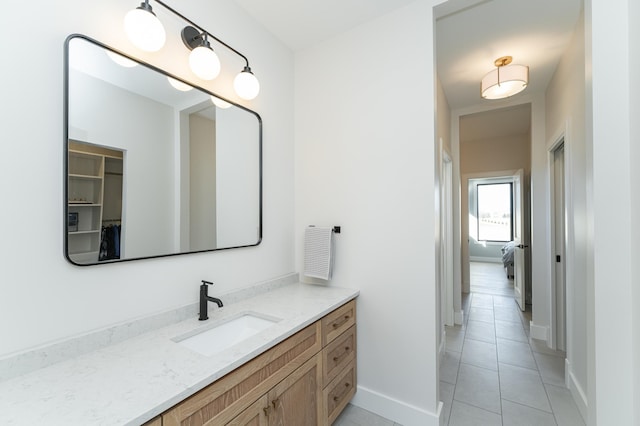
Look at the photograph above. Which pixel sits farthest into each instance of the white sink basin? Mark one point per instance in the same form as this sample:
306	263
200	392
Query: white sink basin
226	334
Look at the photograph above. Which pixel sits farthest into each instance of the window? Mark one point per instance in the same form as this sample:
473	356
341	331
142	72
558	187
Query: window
495	212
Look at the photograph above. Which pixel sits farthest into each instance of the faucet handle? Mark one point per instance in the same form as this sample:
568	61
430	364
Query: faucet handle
206	282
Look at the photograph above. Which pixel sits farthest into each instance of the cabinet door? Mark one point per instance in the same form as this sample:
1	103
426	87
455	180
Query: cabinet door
255	415
295	400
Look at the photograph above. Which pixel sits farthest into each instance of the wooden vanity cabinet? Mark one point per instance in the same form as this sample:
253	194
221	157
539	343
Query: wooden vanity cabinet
296	383
338	361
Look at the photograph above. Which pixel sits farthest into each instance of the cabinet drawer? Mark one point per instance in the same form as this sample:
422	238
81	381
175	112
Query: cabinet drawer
337	354
255	415
335	323
221	401
339	392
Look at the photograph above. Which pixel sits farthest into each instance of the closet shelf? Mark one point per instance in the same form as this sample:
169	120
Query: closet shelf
77	204
92	231
77	176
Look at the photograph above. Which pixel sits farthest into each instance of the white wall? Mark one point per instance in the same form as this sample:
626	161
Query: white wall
237	167
44	298
613	335
565	118
365	161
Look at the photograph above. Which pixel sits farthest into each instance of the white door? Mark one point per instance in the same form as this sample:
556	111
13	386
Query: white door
519	270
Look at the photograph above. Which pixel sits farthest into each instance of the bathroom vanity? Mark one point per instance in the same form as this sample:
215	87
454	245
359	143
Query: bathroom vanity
306	380
301	370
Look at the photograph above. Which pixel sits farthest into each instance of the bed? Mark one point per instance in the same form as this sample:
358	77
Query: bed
507	258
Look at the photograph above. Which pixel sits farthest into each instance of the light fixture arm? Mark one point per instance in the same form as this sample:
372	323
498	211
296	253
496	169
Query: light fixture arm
200	32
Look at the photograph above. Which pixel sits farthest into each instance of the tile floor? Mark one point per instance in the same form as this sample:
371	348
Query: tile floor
490	374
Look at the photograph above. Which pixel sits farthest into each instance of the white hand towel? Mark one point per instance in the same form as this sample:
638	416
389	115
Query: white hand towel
318	252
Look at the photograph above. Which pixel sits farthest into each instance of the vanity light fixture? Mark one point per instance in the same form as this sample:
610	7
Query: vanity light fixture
504	81
145	30
121	60
246	84
178	85
203	60
219	102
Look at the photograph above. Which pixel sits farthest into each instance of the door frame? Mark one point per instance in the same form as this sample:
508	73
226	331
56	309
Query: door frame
561	138
446	234
464	224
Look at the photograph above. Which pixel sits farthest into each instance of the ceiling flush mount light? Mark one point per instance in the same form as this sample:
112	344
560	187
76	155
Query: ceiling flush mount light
144	29
146	32
203	60
504	81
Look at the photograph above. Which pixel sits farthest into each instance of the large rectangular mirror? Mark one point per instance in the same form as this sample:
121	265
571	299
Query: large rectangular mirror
153	167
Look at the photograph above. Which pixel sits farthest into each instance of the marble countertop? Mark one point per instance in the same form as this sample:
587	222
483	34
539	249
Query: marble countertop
133	381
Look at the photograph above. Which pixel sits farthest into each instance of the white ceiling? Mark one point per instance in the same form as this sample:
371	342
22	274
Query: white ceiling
536	33
470	35
301	23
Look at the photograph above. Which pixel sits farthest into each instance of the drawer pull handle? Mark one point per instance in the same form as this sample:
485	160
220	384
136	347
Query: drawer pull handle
346	351
341	323
339	397
266	410
275	403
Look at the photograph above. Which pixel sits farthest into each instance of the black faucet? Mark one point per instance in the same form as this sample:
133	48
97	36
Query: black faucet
204	298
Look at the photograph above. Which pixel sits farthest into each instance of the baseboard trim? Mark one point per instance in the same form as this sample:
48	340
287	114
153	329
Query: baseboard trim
458	317
576	390
538	332
394	410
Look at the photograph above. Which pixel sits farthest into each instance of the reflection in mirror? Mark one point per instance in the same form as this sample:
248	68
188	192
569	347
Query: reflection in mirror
154	167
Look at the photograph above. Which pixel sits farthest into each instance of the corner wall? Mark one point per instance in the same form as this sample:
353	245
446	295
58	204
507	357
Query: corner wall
613	337
634	110
565	118
365	160
44	298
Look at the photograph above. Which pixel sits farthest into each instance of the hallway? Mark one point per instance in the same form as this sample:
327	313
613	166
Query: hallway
490	373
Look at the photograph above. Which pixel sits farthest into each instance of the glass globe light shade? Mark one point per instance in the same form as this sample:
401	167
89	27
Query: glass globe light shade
144	29
204	63
121	60
220	103
246	84
178	85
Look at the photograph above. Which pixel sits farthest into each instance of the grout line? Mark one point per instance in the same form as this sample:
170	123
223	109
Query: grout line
495	331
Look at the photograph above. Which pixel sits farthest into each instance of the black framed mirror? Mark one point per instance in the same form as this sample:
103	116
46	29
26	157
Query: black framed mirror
153	167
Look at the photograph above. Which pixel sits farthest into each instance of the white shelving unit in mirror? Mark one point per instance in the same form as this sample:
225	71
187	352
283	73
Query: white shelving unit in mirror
94	190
